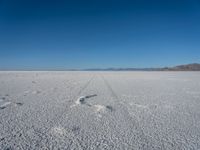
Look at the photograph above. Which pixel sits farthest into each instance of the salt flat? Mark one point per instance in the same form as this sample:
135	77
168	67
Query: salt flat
100	110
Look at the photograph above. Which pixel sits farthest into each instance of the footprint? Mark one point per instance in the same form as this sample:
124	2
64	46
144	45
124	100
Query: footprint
3	106
26	93
19	103
33	82
99	108
58	131
90	96
2	99
36	92
153	107
81	100
110	108
139	106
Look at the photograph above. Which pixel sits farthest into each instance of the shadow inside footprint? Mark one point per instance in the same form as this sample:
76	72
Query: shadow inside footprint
90	96
82	99
3	107
19	104
110	108
3	98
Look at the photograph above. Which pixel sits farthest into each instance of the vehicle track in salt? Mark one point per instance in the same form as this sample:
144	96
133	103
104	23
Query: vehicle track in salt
114	126
131	120
58	119
21	131
88	115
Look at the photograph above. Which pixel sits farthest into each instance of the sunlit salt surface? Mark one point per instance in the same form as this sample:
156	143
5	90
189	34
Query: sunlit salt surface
100	110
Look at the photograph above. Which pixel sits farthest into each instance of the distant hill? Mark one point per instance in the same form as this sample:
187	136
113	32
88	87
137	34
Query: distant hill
187	67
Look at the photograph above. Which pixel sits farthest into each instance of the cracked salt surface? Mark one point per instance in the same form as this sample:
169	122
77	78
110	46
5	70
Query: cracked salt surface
99	110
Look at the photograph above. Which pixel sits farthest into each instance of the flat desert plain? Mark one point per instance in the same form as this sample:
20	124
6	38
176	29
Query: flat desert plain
99	110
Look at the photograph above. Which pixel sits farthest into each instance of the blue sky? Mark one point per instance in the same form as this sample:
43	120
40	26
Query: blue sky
62	34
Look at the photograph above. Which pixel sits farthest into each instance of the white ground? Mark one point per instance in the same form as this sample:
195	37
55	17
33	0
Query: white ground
100	110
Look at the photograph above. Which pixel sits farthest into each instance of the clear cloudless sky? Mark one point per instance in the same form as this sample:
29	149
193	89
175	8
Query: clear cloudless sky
76	34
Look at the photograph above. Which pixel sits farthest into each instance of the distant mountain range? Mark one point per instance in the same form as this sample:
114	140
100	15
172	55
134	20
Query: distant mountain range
187	67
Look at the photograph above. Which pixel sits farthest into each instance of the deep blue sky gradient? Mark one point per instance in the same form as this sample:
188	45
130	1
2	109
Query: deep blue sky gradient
62	34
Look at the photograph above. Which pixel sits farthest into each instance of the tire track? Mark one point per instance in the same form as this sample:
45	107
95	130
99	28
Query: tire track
58	119
127	115
54	121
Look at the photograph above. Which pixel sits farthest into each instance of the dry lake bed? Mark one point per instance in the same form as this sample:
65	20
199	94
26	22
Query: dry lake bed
100	110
